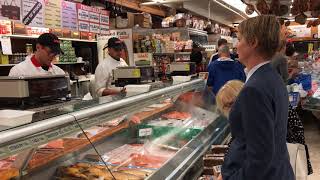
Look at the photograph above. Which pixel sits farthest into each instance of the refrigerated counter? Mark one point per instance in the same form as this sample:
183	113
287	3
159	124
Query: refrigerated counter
161	134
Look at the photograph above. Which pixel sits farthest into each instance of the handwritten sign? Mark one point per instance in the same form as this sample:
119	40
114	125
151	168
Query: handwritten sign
69	15
33	13
52	13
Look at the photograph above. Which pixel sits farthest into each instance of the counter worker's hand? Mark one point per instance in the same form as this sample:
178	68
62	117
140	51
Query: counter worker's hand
135	119
123	90
220	177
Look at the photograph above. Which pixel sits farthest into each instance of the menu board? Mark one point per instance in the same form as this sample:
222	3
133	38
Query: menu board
104	22
10	10
32	14
94	17
83	12
69	15
52	14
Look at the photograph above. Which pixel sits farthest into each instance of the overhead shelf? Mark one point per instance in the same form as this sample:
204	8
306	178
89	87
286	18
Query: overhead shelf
35	37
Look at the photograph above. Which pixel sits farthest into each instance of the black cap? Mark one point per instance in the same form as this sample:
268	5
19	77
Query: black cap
51	41
115	43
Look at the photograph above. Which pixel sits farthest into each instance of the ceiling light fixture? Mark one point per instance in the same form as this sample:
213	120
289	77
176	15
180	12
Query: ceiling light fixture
223	5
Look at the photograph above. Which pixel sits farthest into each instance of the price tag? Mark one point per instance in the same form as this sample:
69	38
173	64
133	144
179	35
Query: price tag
19	146
136	73
145	132
187	67
2	152
38	140
53	134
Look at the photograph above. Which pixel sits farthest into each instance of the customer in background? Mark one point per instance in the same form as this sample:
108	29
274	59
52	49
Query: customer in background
223	70
196	56
280	62
259	115
221	42
103	73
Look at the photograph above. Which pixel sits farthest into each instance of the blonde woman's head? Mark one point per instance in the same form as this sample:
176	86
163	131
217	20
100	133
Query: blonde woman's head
227	96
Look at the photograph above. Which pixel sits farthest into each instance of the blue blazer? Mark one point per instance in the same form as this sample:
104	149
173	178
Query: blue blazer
258	122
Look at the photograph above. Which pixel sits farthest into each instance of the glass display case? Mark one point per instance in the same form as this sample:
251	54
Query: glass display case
161	134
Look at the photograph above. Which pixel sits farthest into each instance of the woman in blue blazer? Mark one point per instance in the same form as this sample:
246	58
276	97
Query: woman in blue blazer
259	116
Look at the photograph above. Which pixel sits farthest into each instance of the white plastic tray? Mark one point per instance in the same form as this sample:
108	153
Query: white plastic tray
15	117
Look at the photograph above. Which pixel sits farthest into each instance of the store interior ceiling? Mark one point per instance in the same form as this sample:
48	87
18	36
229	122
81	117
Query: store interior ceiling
225	12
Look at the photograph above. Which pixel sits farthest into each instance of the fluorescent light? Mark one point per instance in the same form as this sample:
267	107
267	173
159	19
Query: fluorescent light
238	4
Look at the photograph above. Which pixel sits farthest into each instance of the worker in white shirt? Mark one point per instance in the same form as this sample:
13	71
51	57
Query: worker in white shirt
103	73
40	63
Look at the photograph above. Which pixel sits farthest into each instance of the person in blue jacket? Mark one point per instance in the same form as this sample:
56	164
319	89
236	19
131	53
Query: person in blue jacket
223	70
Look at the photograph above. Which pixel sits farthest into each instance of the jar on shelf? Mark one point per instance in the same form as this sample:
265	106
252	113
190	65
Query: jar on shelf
29	49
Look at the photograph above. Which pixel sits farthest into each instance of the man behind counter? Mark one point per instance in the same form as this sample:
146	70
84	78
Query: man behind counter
40	63
103	74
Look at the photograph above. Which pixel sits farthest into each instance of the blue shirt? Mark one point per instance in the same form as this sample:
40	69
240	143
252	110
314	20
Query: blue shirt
222	71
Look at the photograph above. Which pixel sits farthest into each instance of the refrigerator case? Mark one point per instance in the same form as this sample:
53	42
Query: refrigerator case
173	134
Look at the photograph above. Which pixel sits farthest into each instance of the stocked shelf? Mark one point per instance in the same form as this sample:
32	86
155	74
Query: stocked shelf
175	53
35	37
6	65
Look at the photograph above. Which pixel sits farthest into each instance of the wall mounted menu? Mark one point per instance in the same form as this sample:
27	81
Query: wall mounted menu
104	22
10	10
83	17
32	12
69	15
52	14
94	16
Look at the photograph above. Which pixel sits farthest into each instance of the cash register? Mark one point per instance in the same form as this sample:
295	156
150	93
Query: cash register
33	90
123	76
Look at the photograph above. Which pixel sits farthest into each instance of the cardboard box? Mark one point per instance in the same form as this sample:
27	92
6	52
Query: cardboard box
19	28
56	31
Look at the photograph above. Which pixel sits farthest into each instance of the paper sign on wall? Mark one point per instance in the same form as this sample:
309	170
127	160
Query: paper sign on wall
33	12
84	26
69	15
6	45
94	28
83	17
94	15
52	14
104	22
10	10
301	30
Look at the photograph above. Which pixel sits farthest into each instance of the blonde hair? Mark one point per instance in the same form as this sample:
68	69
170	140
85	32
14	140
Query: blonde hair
263	30
227	95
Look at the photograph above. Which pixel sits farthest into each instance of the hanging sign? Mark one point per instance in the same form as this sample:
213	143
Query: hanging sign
10	10
32	14
52	14
69	15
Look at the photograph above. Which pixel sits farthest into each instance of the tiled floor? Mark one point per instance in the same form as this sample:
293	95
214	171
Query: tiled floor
312	134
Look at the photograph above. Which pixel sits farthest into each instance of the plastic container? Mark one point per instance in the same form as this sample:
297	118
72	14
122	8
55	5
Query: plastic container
138	88
15	117
181	78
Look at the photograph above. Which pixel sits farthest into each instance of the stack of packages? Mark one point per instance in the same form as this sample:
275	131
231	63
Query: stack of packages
213	161
69	52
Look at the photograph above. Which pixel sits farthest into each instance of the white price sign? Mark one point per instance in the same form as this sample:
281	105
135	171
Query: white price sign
145	132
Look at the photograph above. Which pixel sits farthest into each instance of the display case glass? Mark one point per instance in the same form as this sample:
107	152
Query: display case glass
156	135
